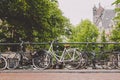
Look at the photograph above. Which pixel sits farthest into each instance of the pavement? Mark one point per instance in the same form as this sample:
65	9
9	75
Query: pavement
52	75
60	71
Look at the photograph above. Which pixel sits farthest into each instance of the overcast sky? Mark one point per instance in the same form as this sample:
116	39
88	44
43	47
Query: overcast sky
76	10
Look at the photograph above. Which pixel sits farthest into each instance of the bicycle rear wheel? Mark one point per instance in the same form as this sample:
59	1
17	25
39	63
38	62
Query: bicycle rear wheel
42	62
72	59
13	60
3	63
84	61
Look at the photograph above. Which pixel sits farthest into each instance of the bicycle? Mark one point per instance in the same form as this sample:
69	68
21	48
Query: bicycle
88	57
69	57
95	59
19	59
12	60
103	58
115	60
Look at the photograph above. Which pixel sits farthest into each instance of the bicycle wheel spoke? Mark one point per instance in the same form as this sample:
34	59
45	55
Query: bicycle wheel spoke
12	63
41	62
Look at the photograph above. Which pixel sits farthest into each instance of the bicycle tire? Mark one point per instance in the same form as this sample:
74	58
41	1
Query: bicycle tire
3	63
42	62
72	59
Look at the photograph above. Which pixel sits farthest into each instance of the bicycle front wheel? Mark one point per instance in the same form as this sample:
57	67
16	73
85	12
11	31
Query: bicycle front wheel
42	62
72	59
3	63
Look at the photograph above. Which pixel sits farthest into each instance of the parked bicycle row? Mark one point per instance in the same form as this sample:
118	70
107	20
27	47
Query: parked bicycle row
70	58
40	59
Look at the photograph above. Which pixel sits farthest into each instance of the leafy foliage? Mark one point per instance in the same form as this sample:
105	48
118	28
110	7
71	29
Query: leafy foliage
84	32
116	31
32	20
103	37
116	34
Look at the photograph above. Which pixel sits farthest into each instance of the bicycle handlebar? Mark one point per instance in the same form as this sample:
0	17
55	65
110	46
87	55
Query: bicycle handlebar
54	41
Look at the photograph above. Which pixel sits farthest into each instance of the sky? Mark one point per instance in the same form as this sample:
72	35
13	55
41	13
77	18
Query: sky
77	10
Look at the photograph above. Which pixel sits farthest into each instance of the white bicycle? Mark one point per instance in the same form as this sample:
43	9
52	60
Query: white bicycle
69	57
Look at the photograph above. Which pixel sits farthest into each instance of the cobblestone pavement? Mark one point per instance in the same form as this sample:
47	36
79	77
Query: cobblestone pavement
30	75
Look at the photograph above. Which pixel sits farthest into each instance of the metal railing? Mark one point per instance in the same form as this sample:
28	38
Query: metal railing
39	43
79	43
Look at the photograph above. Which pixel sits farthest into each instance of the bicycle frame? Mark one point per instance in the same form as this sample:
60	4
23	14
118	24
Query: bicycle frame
57	57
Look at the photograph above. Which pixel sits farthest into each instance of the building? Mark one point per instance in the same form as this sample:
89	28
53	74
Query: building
103	19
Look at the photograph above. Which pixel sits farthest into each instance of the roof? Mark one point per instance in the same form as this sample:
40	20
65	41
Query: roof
100	10
108	15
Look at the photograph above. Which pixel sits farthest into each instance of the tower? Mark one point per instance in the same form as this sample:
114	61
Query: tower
97	14
94	13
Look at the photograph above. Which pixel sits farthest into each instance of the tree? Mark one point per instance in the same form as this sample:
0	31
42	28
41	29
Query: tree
115	36
33	20
103	37
116	31
84	32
